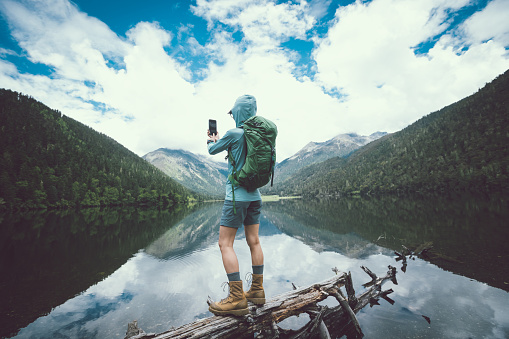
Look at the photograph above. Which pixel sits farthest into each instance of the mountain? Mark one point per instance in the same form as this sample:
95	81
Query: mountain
202	175
195	172
51	160
315	152
462	147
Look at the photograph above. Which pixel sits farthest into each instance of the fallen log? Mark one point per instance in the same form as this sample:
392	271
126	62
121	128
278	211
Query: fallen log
262	321
346	307
335	318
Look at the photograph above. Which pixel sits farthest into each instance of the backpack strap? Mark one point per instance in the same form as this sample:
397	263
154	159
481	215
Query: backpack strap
232	177
272	164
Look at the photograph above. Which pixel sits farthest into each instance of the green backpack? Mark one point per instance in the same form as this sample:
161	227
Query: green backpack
260	135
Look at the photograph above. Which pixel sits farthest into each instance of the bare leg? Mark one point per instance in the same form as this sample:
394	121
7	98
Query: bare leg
236	302
253	240
226	238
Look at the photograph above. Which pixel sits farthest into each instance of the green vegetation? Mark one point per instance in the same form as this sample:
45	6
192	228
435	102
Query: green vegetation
48	160
462	147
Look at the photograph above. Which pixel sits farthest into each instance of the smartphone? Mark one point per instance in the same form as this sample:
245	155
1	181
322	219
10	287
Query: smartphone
212	127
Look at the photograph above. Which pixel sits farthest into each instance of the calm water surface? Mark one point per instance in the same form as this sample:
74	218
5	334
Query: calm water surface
86	274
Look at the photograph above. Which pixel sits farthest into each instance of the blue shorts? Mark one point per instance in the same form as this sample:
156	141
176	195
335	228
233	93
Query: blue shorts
248	213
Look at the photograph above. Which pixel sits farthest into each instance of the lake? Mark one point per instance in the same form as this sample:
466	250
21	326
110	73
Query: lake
87	273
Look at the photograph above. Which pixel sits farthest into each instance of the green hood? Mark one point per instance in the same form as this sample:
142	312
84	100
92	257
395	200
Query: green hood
243	109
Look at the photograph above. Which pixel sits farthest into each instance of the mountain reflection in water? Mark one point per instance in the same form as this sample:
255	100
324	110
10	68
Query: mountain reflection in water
469	234
160	270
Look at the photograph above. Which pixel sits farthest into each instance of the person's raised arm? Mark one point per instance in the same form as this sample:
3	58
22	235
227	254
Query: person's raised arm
216	145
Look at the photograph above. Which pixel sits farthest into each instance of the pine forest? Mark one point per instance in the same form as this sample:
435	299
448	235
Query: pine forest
462	147
48	160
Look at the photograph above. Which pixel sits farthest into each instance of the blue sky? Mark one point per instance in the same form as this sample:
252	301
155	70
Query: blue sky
150	74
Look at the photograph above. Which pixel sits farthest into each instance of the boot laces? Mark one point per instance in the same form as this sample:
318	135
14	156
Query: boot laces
249	278
228	297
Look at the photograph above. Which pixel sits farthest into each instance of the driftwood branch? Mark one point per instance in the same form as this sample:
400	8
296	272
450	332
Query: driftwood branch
336	319
371	274
315	328
428	252
344	304
262	321
350	292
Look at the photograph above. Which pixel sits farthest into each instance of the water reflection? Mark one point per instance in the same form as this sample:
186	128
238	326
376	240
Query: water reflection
167	283
294	218
52	256
189	235
469	234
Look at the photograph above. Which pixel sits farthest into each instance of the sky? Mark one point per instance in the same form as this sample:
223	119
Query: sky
150	74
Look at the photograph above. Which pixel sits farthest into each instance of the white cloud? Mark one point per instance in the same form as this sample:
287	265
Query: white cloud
48	30
262	21
368	54
318	8
134	89
491	23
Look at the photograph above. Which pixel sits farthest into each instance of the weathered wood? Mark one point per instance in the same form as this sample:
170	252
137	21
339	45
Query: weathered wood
371	274
349	312
133	331
400	256
423	248
336	319
262	321
385	297
315	328
323	331
275	310
350	292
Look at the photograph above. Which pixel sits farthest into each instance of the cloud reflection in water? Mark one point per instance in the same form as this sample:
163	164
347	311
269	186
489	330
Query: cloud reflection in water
167	285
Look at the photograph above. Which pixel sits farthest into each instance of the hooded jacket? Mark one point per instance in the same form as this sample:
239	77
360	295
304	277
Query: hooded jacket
243	109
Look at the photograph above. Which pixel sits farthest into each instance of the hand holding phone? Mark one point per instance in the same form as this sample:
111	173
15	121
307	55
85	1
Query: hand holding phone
212	127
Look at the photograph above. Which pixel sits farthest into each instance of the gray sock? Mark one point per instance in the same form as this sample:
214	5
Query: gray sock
235	276
258	269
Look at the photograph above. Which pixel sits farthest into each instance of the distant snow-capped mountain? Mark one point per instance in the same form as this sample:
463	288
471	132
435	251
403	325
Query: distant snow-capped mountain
315	152
206	176
196	172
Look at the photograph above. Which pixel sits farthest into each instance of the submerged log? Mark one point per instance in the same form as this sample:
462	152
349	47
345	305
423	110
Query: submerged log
133	331
346	307
424	251
262	321
336	319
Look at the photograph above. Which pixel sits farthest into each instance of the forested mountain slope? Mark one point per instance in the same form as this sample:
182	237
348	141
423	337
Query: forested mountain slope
314	152
50	160
462	147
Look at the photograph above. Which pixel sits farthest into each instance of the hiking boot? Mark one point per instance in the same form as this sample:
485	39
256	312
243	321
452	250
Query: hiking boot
256	294
234	304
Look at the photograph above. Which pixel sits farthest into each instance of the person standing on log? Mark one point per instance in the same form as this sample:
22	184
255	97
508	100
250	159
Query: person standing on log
241	207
